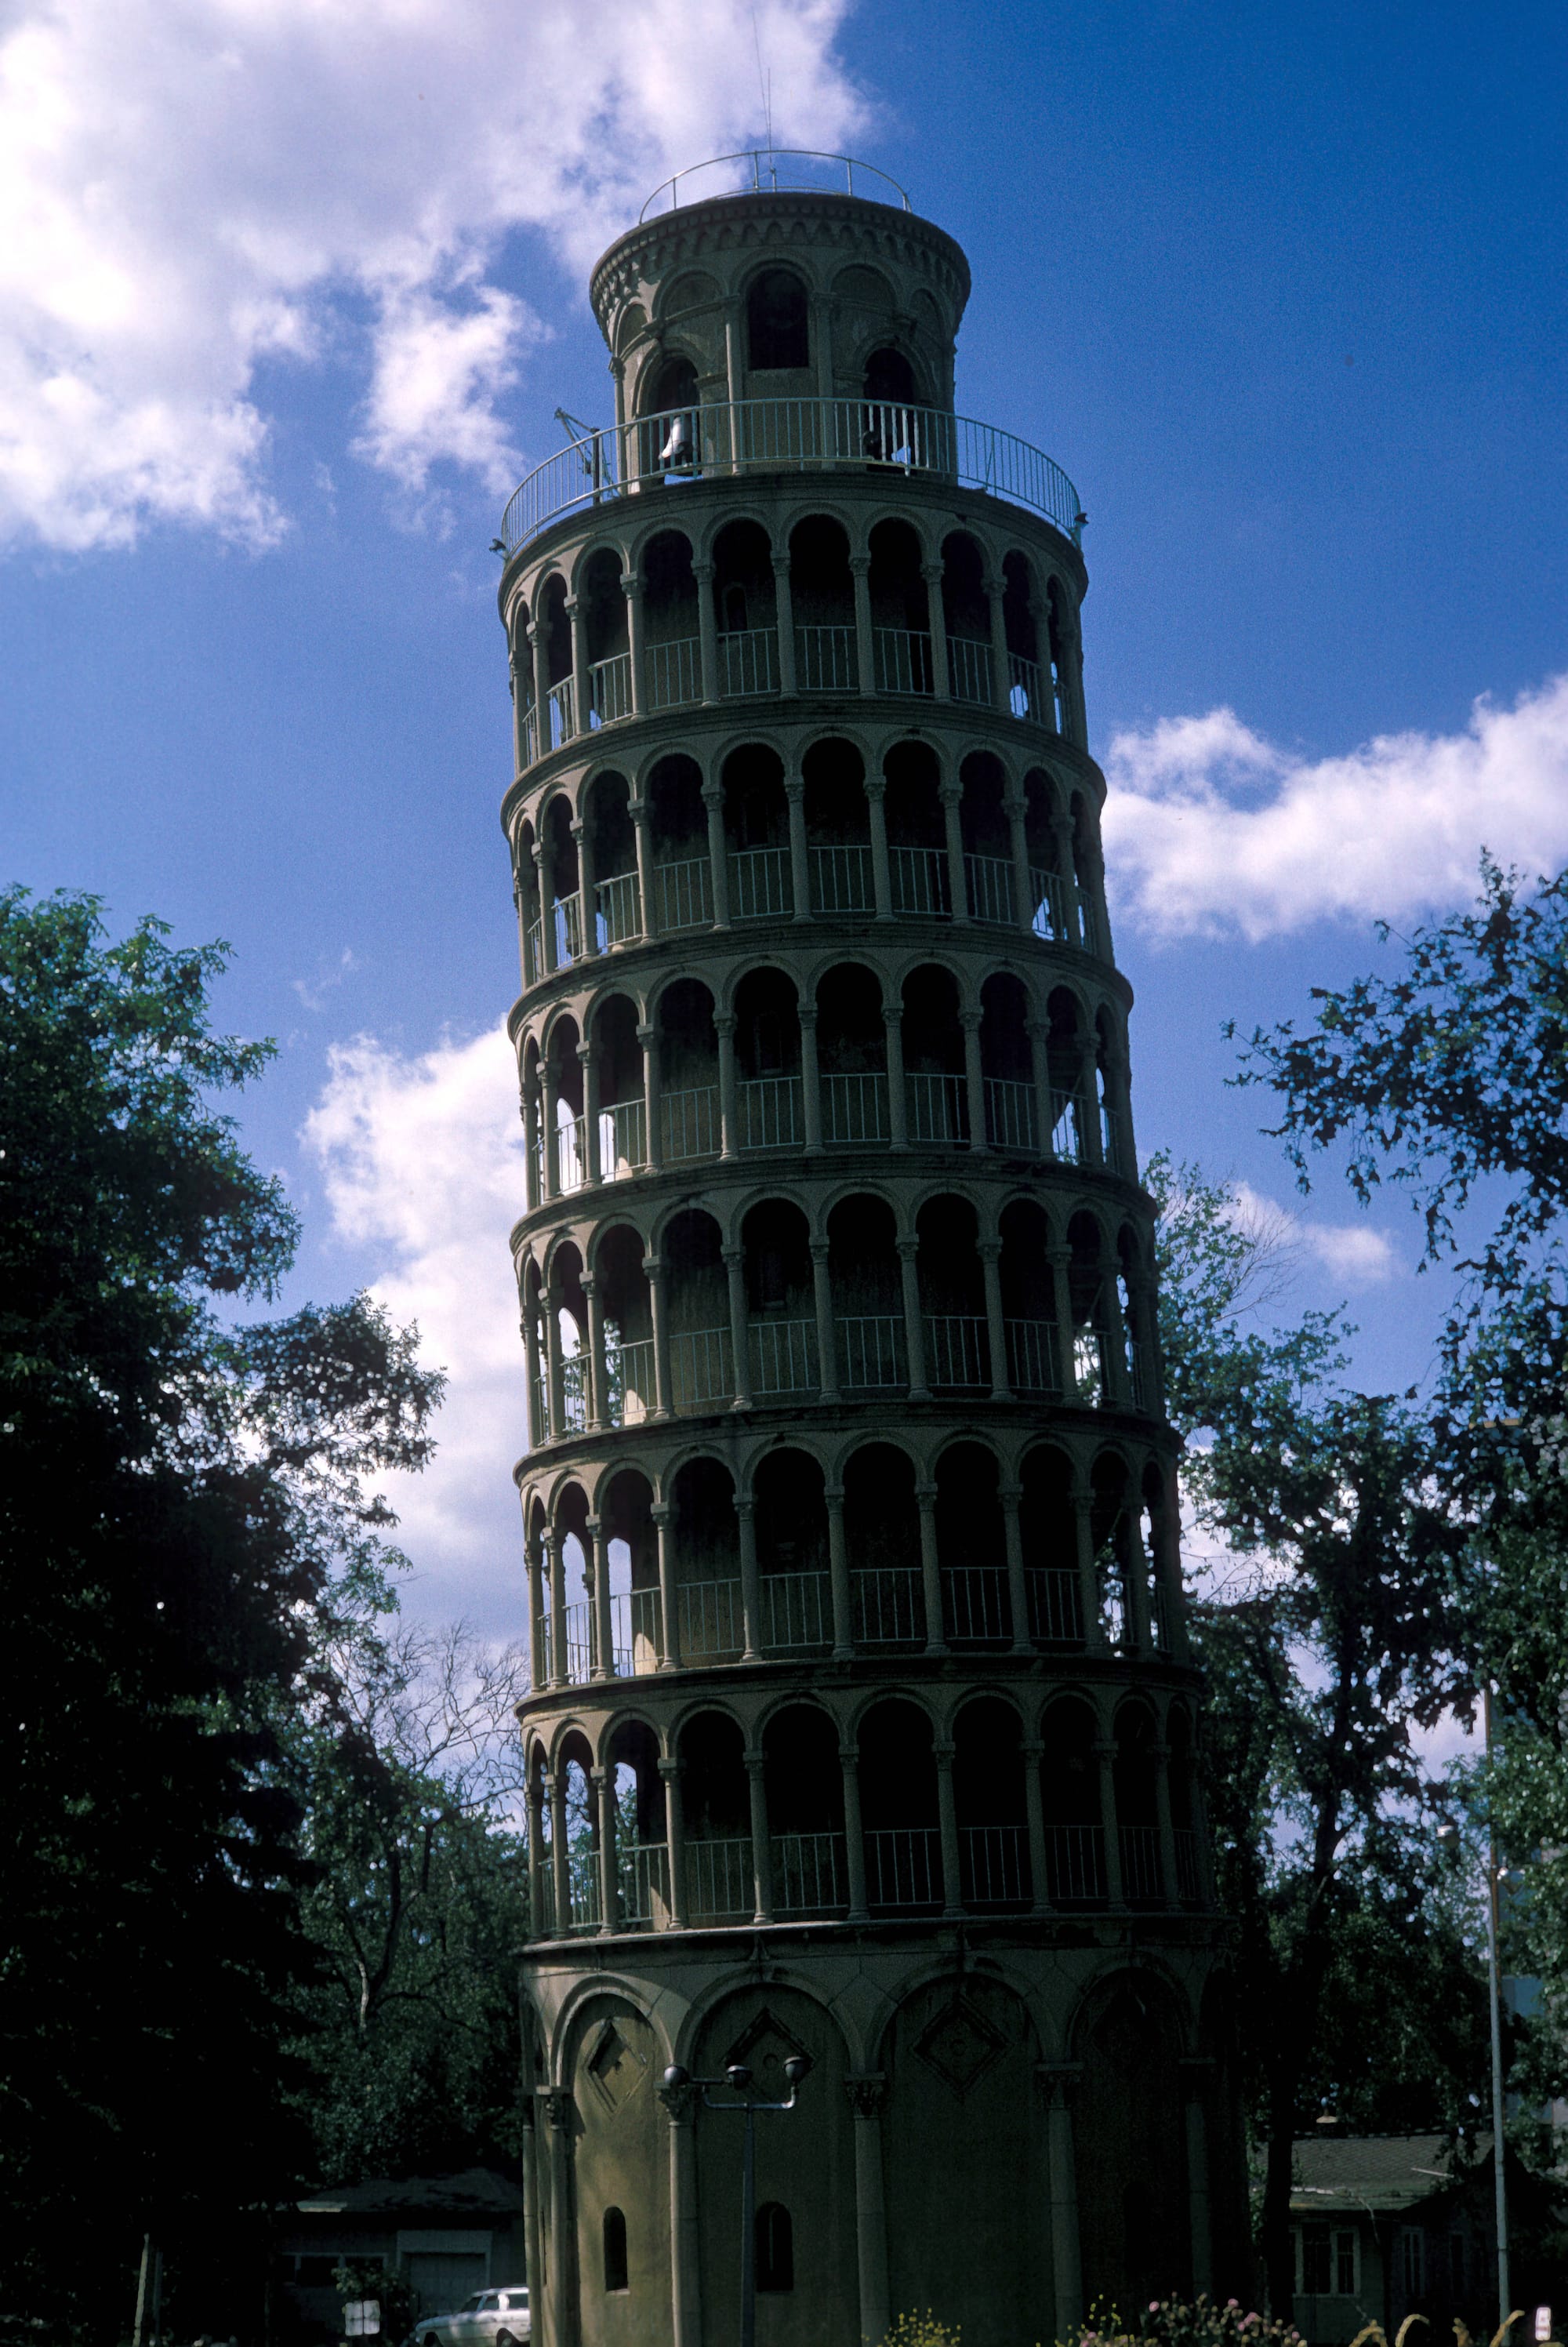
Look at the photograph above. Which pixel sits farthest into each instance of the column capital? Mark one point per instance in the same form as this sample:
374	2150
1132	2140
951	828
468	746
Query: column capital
834	1494
755	1761
926	1492
943	1751
970	1020
659	1511
988	1250
598	1778
795	787
1006	1491
588	1282
702	571
587	1053
860	565
850	1755
931	572
781	562
637	808
713	794
1059	2081
557	2101
669	1769
876	788
733	1254
744	1505
807	1014
866	2095
949	793
892	1014
723	1024
646	1033
630	583
593	1526
993	586
652	1265
1032	1748
819	1250
909	1248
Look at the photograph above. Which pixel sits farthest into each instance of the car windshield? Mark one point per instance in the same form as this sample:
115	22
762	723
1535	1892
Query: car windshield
472	2305
490	2303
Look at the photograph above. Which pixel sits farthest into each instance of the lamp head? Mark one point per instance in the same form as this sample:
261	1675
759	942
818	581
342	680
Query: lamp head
739	2075
675	2077
797	2067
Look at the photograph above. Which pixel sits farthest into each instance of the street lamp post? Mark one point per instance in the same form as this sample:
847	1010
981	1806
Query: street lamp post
738	2078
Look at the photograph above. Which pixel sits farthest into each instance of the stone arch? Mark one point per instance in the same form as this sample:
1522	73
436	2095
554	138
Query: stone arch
613	2059
1128	2038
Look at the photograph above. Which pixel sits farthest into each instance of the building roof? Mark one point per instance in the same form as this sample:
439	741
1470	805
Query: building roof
472	2192
1340	2173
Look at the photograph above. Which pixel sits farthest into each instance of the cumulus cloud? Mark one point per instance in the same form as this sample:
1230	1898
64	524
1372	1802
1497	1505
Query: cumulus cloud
1352	1252
1212	830
422	1162
191	187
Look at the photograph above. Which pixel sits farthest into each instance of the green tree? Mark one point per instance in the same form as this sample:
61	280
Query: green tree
1324	1629
184	1509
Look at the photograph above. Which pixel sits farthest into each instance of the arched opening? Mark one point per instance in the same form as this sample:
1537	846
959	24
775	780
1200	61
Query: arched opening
1135	1771
1029	1302
1048	1525
672	644
555	628
611	855
1130	2137
775	2250
602	603
952	1298
934	1068
988	840
1026	687
1088	876
631	1377
971	1547
778	332
1059	643
852	1056
838	829
1159	1527
534	1557
1070	1797
541	1848
1006	1063
682	871
669	437
882	1539
1129	1296
688	1047
791	1519
530	920
701	1372
520	662
1086	1295
615	2266
916	832
898	1807
580	1820
822	594
715	1813
744	611
992	1806
1048	890
622	1106
756	826
562	884
866	1283
1064	1070
966	615
900	613
569	1327
625	1512
804	1781
1110	1090
770	1111
1111	1532
641	1857
780	1301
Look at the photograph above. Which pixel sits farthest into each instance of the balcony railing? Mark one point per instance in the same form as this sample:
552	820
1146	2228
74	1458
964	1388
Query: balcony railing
797	1612
842	880
938	1108
990	889
871	1352
562	704
629	1382
791	435
683	895
975	1601
634	1633
770	1113
920	881
566	920
643	1882
854	1107
824	660
675	673
1048	912
1066	1136
759	886
969	670
748	661
579	1624
904	1866
609	689
1187	1886
712	1626
700	1367
622	1138
584	1891
956	1352
1139	1848
1075	1865
534	952
995	1865
783	1356
904	660
718	1888
574	1393
809	1873
1026	694
1055	1606
571	1155
619	910
689	1123
1012	1115
889	1611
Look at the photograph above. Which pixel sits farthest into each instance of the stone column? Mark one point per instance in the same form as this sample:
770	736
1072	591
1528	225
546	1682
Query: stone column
597	1383
1135	1596
663	1390
685	2298
555	1551
1017	1587
735	1268
799	859
930	1570
838	1576
1015	806
603	1665
563	2223
728	1116
1059	1258
587	1059
826	1349
532	1154
546	917
948	1815
865	642
783	610
1039	1031
542	685
1106	1755
975	1082
660	1514
914	1327
751	1587
533	1810
708	632
866	2095
810	1077
897	1094
1087	1573
761	1855
989	1252
631	588
648	1036
609	1882
581	687
718	853
951	797
537	1434
1074	923
539	1660
674	1842
1000	666
553	1358
1088	1092
1039	1871
1195	2076
881	863
937	620
1061	2081
853	1834
558	1853
1160	1756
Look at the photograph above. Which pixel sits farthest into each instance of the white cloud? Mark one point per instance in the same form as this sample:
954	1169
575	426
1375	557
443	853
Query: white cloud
189	187
1211	830
422	1161
1352	1252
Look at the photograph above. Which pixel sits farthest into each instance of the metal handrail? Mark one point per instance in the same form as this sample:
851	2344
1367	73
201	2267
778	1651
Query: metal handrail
739	435
769	157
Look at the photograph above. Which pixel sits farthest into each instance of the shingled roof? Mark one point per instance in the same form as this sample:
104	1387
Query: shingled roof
1373	2171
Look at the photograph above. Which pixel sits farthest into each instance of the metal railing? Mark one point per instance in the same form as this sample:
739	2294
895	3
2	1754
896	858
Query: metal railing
540	1415
1033	1362
701	1368
763	170
904	1866
584	1897
534	951
689	1123
889	1611
683	894
1188	1888
713	1624
543	1921
572	1157
560	703
609	689
760	884
727	436
578	1621
871	1352
989	879
903	659
783	1356
842	879
938	1108
975	1601
1026	696
1066	1132
618	909
797	1611
1075	1865
770	1113
629	1376
1140	1848
1088	1366
920	881
634	1633
969	670
1012	1119
674	672
956	1354
854	1107
642	1872
748	661
824	660
530	735
1055	1606
622	1138
809	1872
1048	911
567	916
994	1861
718	1888
574	1393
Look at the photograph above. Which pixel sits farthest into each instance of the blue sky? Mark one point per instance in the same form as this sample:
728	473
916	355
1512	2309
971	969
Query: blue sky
287	306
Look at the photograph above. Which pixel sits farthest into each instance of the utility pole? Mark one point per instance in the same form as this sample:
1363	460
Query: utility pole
1494	1998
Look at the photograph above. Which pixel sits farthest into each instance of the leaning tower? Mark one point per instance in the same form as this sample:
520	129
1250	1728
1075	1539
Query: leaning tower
863	1717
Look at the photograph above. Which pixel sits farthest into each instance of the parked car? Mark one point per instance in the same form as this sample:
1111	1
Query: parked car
491	2318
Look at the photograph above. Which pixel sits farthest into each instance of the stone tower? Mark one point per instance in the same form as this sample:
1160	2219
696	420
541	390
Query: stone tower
863	1717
